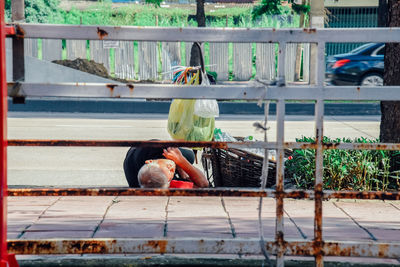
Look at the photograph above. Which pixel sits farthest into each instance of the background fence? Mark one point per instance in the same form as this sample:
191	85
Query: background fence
133	60
238	62
153	60
349	17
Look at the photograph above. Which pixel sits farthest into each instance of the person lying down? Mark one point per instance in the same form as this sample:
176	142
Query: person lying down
148	167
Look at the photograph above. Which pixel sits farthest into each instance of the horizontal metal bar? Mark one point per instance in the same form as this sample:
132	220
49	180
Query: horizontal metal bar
125	191
344	146
220	145
304	145
248	91
175	34
199	246
117	143
377	195
221	191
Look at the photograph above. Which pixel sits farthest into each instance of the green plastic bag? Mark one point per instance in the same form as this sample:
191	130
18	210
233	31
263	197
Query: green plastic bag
183	124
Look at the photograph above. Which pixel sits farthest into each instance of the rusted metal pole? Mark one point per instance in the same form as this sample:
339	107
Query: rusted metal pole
280	118
222	145
319	168
119	143
319	159
244	246
279	236
220	191
125	191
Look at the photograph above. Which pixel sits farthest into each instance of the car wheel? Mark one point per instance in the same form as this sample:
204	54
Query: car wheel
372	79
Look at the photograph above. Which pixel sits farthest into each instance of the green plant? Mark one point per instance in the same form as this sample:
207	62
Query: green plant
274	7
38	11
361	170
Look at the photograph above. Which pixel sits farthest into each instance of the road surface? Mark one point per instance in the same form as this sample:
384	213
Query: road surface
102	166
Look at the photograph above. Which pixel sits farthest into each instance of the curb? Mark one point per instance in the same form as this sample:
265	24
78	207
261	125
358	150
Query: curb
187	260
84	105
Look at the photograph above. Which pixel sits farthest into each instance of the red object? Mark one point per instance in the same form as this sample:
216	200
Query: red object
340	63
290	158
10	30
180	184
5	258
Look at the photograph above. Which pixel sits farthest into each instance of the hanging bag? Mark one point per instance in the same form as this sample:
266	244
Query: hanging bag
206	108
193	119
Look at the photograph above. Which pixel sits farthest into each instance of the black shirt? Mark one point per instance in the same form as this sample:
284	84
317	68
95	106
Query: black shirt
136	157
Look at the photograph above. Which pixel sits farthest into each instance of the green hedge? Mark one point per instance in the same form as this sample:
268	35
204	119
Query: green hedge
360	170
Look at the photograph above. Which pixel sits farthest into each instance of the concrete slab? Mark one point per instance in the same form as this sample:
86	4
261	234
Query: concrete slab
58	234
184	207
137	208
13	234
33	201
63	224
130	230
373	214
199	217
198	234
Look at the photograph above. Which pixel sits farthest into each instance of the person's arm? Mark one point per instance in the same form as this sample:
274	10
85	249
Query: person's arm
195	175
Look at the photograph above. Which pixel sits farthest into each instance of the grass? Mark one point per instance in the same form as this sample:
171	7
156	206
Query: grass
359	170
147	15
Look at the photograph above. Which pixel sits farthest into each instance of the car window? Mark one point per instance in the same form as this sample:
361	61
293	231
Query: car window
381	51
360	48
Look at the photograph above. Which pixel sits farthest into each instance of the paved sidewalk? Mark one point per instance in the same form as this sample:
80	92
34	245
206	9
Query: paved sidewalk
205	217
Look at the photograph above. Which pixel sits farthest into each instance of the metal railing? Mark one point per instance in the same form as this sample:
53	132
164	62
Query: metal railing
253	91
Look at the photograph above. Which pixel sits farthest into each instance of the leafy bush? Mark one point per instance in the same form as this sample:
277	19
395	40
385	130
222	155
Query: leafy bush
360	170
103	13
38	11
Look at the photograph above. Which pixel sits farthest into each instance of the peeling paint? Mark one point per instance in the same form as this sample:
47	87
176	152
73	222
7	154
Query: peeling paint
101	33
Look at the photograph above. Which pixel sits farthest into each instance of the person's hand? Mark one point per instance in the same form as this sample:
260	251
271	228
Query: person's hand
195	175
174	154
182	173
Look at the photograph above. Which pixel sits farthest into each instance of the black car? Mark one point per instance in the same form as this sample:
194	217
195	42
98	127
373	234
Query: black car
362	66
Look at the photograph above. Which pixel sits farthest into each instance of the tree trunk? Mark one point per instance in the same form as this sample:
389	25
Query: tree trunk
390	110
201	22
382	13
200	14
298	51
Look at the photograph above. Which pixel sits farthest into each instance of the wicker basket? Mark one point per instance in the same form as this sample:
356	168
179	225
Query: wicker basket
235	168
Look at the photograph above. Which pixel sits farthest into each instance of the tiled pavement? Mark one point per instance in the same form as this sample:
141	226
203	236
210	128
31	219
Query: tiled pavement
212	217
228	217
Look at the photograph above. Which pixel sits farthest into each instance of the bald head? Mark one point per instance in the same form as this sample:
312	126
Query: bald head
152	176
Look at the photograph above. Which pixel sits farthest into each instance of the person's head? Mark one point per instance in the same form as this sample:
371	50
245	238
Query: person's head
156	173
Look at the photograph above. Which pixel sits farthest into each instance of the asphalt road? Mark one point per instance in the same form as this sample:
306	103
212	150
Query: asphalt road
100	166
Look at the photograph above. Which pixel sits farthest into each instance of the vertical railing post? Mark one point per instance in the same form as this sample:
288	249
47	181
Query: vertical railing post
6	260
18	15
280	106
319	160
3	145
279	235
